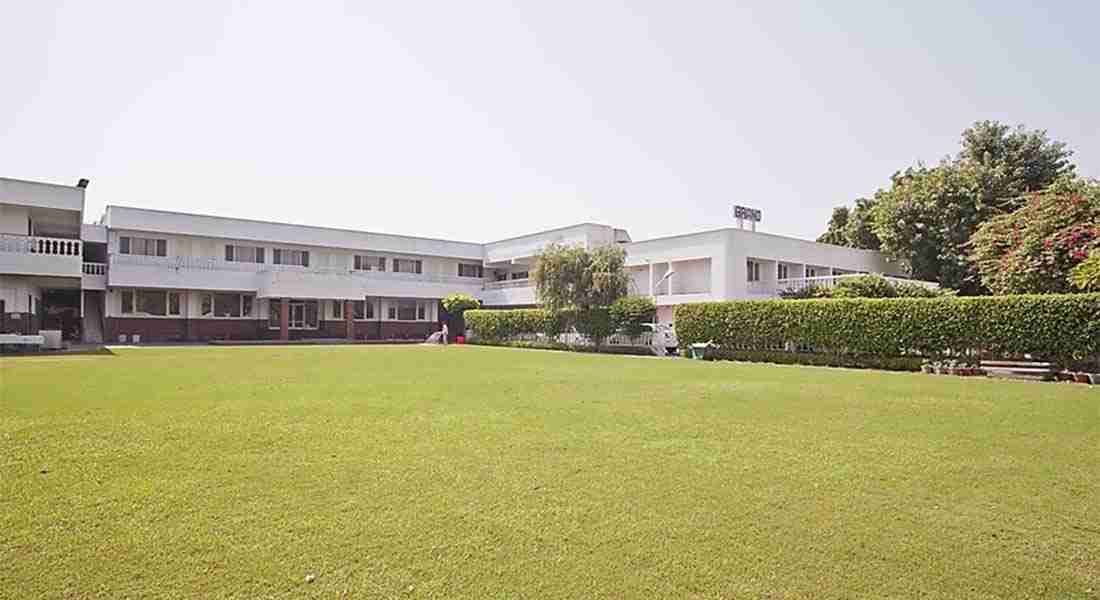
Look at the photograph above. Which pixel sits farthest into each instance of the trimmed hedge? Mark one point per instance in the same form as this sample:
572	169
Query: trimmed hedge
1061	328
500	325
630	350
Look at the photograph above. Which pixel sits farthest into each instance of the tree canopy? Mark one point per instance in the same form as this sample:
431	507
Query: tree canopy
573	277
927	215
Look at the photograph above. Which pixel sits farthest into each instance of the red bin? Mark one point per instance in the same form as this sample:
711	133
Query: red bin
460	339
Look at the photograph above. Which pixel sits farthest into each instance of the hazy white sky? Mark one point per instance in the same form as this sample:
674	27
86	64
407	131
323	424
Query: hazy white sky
482	120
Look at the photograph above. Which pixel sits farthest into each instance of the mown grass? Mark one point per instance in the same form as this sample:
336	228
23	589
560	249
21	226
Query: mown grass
499	473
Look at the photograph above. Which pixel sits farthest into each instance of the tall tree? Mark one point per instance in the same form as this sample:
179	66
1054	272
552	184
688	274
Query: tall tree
573	277
835	233
928	215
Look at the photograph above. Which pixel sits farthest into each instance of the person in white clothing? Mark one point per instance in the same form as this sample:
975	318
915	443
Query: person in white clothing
446	334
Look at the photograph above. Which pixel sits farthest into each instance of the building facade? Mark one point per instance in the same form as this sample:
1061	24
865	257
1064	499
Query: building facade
140	275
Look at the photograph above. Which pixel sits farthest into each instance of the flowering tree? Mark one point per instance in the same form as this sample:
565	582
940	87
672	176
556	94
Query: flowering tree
1034	249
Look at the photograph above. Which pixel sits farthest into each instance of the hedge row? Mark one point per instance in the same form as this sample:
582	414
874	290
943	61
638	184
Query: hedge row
1061	328
626	314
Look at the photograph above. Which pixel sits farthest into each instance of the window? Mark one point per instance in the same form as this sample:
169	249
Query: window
811	272
370	263
519	275
248	254
298	258
407	265
150	302
391	311
753	270
784	271
406	310
466	270
360	310
227	305
142	246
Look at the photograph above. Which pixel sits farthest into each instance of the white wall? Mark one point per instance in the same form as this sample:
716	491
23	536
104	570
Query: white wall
588	235
14	219
249	231
41	195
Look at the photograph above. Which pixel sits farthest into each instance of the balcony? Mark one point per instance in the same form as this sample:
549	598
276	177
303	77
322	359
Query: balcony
95	276
773	288
511	292
38	255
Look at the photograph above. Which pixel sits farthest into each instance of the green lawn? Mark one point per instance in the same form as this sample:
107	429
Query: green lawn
499	473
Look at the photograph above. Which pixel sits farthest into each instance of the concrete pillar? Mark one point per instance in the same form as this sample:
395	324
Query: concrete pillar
670	277
284	321
652	280
349	322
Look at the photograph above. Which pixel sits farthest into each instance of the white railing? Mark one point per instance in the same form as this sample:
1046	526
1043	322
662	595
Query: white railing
772	288
507	284
92	268
34	244
213	264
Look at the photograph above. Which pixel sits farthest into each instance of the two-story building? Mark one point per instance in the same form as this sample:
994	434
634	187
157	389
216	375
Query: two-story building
155	276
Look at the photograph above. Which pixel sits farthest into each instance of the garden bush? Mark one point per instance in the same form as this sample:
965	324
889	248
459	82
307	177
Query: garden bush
1060	328
630	314
493	326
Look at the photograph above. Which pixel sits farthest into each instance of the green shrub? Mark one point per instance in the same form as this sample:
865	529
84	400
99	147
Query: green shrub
806	293
1086	275
504	324
1060	328
630	314
864	286
456	304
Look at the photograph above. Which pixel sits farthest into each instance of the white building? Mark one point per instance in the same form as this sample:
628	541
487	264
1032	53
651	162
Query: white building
168	276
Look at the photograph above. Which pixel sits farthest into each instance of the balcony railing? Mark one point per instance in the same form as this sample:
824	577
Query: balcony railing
212	264
34	244
507	284
94	268
772	288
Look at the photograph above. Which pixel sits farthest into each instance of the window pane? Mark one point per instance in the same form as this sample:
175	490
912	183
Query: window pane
173	303
519	275
152	303
391	312
406	310
207	305
162	247
311	315
246	305
358	310
368	309
227	305
421	311
274	313
124	245
228	253
127	302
